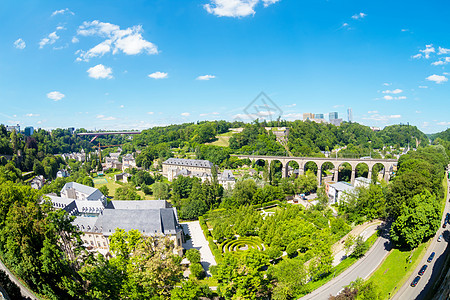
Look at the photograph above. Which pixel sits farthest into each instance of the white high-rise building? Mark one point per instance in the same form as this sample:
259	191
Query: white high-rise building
350	114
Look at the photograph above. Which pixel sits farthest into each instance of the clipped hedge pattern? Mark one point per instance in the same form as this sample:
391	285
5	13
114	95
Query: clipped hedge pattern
236	245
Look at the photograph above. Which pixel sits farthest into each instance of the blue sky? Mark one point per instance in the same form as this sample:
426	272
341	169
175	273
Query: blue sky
137	64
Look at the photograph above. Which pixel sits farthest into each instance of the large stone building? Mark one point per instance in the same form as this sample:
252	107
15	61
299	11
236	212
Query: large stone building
98	219
174	167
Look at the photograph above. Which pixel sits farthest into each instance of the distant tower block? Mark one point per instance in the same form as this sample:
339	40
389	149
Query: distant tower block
333	116
350	114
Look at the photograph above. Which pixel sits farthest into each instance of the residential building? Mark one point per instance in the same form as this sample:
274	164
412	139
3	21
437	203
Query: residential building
28	131
174	167
128	162
98	220
74	190
226	179
71	130
62	174
37	182
79	156
338	191
318	116
124	177
362	182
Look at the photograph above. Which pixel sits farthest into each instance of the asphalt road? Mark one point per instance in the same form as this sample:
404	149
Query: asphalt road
362	268
427	280
24	290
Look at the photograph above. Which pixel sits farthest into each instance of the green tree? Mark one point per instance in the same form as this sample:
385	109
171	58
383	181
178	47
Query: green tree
417	221
160	190
104	189
193	255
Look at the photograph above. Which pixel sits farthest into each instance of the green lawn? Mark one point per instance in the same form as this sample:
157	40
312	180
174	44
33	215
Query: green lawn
112	186
222	139
396	269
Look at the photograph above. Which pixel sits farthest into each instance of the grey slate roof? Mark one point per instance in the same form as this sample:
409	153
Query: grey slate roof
149	221
93	193
227	175
138	204
189	162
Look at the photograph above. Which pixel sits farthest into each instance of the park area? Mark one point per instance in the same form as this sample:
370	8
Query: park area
112	185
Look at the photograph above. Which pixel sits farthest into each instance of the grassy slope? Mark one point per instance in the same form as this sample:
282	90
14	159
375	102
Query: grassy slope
396	269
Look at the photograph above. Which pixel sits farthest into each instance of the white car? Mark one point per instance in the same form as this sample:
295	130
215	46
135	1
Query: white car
439	238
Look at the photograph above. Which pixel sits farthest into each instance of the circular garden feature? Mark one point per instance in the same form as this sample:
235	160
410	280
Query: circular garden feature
242	244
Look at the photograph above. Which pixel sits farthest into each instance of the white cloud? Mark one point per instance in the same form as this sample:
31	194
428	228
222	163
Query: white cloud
151	112
395	116
122	106
404	30
60	28
359	16
442	61
444	123
345	25
100	72
75	40
443	51
185	114
389	97
105	118
32	115
62	11
55	95
338	105
269	2
418	112
372	112
206	77
437	78
387	84
158	75
235	8
423	87
203	115
426	52
396	91
20	44
49	40
128	41
437	63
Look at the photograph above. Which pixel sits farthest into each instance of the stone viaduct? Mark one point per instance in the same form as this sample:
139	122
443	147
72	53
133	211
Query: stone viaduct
319	161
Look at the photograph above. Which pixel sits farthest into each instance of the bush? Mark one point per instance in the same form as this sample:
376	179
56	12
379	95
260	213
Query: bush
193	255
197	271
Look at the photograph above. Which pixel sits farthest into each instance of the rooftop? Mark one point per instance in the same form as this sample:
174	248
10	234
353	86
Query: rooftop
189	162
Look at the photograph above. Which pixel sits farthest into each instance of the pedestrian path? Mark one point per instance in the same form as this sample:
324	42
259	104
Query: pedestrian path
198	241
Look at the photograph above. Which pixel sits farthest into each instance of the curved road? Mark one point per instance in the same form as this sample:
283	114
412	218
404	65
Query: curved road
434	269
362	268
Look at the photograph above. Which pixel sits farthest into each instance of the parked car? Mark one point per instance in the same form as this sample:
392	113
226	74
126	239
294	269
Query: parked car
440	238
444	225
430	258
423	269
415	281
